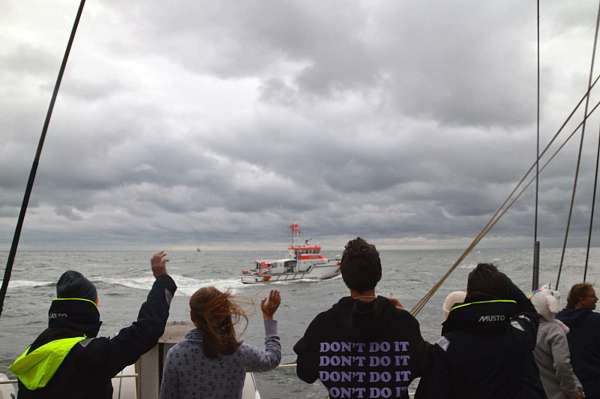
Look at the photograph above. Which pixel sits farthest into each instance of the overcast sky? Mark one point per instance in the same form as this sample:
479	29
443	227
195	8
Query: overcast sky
216	123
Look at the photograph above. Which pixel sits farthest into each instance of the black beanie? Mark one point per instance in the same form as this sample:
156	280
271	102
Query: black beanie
488	282
360	265
73	284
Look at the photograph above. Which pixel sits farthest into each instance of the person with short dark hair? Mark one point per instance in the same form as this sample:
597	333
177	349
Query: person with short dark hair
486	345
365	346
211	362
69	361
584	336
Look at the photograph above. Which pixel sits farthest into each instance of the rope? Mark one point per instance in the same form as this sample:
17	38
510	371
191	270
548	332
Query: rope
587	252
32	173
508	202
576	178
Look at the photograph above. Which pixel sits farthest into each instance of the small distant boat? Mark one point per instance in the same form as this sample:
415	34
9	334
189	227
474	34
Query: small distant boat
305	261
198	250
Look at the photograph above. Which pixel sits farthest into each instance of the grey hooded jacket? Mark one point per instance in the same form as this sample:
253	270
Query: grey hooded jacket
554	361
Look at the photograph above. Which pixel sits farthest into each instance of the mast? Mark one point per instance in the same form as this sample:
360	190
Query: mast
535	280
17	235
295	231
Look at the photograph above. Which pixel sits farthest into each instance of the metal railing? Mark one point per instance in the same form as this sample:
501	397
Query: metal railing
116	376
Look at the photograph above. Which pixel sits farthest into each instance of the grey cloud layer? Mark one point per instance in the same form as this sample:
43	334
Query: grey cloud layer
228	120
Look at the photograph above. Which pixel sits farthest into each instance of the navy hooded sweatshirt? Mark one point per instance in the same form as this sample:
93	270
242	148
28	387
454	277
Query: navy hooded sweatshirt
363	350
584	344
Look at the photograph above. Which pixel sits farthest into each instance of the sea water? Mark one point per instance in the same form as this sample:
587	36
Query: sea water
123	279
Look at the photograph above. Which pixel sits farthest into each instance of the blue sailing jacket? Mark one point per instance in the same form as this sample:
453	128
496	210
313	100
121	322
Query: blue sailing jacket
486	352
584	344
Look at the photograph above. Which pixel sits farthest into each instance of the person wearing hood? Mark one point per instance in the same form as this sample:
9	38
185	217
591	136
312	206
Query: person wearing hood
584	336
552	350
486	346
68	360
365	346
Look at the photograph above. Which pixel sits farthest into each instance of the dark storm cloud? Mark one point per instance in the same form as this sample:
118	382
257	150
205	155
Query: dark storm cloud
441	69
227	121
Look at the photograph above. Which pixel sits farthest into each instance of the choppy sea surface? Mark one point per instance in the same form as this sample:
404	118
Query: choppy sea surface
123	279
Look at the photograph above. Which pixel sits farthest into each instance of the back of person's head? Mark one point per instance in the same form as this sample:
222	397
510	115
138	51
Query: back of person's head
486	281
214	313
72	284
577	293
360	265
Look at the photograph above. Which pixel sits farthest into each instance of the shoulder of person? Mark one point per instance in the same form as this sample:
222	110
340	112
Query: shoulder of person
401	314
326	315
595	316
91	352
94	344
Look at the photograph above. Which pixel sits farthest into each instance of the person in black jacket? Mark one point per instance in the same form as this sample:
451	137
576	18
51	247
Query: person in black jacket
486	345
584	336
68	361
365	346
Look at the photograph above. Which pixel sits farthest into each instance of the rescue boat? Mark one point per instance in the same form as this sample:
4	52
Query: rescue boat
305	261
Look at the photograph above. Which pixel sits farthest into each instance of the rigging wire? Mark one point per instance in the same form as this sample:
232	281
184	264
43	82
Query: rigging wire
34	166
536	244
577	167
509	201
587	252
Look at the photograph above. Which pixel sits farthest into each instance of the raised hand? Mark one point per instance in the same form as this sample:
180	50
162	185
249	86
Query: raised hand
159	263
270	304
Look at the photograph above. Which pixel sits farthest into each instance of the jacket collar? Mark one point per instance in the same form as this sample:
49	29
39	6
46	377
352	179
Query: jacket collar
75	314
480	316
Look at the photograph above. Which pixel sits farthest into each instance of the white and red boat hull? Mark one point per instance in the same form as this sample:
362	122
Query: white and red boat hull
320	271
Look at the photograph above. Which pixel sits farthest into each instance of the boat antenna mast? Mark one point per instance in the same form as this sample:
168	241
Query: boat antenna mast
38	153
295	231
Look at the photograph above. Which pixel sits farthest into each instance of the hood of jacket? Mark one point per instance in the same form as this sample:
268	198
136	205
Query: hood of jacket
490	316
367	318
36	368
